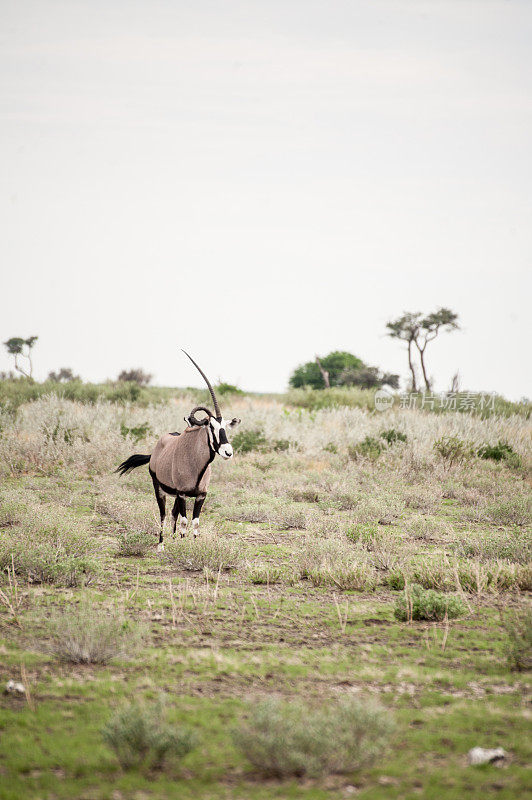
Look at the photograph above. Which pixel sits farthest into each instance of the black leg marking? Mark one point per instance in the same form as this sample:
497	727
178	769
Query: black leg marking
179	511
175	512
161	502
198	504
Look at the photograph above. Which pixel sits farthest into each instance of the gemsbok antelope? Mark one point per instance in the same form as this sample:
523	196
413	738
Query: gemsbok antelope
180	465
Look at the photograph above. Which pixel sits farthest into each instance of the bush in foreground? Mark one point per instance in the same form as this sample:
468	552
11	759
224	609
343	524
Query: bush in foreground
369	448
501	451
88	635
205	552
453	450
426	604
48	545
141	737
135	543
248	441
283	739
266	574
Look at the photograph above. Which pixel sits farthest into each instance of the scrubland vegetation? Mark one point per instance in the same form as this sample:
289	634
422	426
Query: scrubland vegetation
354	617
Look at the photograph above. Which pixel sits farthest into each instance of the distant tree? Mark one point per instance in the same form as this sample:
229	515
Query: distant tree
441	320
135	376
64	375
312	374
368	378
406	328
21	348
455	383
417	330
324	373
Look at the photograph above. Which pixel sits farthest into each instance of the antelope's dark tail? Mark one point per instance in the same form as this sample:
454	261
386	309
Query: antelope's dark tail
132	463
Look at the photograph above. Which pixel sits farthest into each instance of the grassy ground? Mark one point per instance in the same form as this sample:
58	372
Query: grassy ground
321	535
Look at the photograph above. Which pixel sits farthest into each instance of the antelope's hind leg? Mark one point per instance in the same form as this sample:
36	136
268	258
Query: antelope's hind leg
179	514
198	504
161	502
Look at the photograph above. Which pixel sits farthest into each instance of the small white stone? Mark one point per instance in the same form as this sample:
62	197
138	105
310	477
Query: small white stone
480	755
14	687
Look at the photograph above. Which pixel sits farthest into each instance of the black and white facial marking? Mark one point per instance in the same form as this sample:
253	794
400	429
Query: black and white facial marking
218	436
216	429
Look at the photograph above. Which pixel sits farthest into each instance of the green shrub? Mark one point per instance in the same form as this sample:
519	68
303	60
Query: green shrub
141	737
395	580
501	451
138	433
248	441
281	445
134	543
205	552
330	447
369	447
420	604
265	574
391	436
453	450
227	388
518	626
88	635
284	739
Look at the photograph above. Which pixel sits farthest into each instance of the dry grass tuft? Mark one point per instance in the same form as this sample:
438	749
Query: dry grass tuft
210	552
89	635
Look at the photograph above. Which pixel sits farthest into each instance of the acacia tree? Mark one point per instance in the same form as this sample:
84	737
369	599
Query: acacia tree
441	320
414	329
406	328
21	348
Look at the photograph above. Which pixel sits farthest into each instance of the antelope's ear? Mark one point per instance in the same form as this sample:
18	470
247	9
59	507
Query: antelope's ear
234	422
187	420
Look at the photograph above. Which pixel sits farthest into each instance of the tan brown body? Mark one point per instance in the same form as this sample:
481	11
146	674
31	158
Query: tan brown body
179	460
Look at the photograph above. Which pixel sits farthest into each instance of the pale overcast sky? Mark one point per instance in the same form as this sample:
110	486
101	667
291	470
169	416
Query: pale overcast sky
260	181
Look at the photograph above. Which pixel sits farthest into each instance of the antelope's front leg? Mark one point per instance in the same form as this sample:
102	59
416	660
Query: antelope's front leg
198	504
179	514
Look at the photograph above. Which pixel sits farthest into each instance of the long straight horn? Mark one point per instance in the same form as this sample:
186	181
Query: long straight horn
211	390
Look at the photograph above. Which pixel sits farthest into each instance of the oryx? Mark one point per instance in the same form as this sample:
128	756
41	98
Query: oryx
180	465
